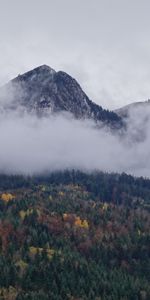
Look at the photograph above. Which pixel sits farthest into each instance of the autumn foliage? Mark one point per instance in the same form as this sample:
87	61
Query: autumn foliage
77	237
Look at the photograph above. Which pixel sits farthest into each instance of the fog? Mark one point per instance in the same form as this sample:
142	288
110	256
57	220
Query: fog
31	145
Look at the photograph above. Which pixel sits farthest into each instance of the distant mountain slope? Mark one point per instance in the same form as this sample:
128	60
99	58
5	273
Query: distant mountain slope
124	111
43	90
136	117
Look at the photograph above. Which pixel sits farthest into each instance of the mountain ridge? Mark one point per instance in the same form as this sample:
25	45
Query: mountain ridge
124	111
43	90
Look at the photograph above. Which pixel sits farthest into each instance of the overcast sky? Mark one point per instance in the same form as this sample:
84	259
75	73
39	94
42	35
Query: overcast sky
104	44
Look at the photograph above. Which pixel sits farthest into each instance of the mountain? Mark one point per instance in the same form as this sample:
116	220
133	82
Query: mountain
136	117
125	111
44	91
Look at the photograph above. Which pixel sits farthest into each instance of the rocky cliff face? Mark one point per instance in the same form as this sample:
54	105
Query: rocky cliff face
44	91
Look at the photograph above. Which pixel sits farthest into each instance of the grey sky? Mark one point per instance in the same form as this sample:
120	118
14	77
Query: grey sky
104	44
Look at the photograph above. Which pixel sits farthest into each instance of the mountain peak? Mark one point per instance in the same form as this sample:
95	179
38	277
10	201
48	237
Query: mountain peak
37	73
42	68
43	90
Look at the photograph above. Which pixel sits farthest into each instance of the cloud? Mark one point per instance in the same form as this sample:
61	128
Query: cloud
31	145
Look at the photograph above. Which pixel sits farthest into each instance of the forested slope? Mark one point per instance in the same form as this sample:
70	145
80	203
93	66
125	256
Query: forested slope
70	235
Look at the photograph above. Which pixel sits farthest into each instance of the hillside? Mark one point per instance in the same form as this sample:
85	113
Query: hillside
126	110
70	235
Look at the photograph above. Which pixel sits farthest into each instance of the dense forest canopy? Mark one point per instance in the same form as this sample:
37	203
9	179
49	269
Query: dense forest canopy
71	235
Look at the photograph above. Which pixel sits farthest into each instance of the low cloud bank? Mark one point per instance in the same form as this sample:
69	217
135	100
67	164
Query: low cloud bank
31	145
